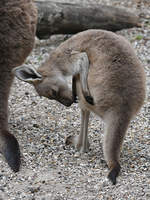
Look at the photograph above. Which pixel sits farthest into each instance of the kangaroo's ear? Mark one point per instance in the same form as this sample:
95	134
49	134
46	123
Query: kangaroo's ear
27	74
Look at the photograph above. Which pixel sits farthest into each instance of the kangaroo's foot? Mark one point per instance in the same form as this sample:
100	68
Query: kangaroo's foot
75	141
114	172
9	147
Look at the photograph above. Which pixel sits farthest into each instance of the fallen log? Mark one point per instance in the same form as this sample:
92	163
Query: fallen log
67	18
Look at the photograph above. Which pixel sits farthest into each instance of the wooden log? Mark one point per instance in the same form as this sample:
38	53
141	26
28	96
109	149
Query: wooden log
67	18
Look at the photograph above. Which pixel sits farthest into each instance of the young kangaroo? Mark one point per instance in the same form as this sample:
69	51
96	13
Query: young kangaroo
102	65
17	31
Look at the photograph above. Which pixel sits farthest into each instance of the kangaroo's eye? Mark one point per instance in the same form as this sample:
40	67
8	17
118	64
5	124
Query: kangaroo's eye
54	93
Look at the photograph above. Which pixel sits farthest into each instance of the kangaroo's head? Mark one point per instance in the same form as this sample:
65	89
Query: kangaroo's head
54	86
54	78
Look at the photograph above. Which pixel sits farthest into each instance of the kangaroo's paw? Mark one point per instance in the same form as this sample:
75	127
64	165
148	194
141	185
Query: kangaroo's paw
89	99
9	147
114	172
75	141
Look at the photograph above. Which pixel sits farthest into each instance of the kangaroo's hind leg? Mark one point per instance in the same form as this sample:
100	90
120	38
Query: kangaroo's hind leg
81	141
9	146
116	127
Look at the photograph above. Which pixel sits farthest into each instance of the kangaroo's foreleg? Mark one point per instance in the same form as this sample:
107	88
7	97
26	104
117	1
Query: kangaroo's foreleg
9	146
82	69
81	141
116	126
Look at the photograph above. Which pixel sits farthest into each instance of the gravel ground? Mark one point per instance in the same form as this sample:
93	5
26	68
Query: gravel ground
52	171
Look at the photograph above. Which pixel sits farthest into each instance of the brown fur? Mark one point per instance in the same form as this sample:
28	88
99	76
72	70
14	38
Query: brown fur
116	81
17	31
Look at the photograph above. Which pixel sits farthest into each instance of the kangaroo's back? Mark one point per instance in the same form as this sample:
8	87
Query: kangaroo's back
116	76
116	81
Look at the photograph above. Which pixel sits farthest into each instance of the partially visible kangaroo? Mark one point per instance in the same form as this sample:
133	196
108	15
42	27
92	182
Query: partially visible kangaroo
17	32
115	85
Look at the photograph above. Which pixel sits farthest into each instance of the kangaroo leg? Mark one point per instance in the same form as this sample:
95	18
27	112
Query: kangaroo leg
81	141
81	68
9	146
116	126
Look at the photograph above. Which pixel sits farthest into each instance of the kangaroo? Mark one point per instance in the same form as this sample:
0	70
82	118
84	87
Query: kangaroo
17	32
102	65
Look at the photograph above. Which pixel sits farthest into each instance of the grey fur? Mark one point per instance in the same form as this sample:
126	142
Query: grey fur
116	81
17	31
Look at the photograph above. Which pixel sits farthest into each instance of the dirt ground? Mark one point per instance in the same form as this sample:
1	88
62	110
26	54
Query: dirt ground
52	171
